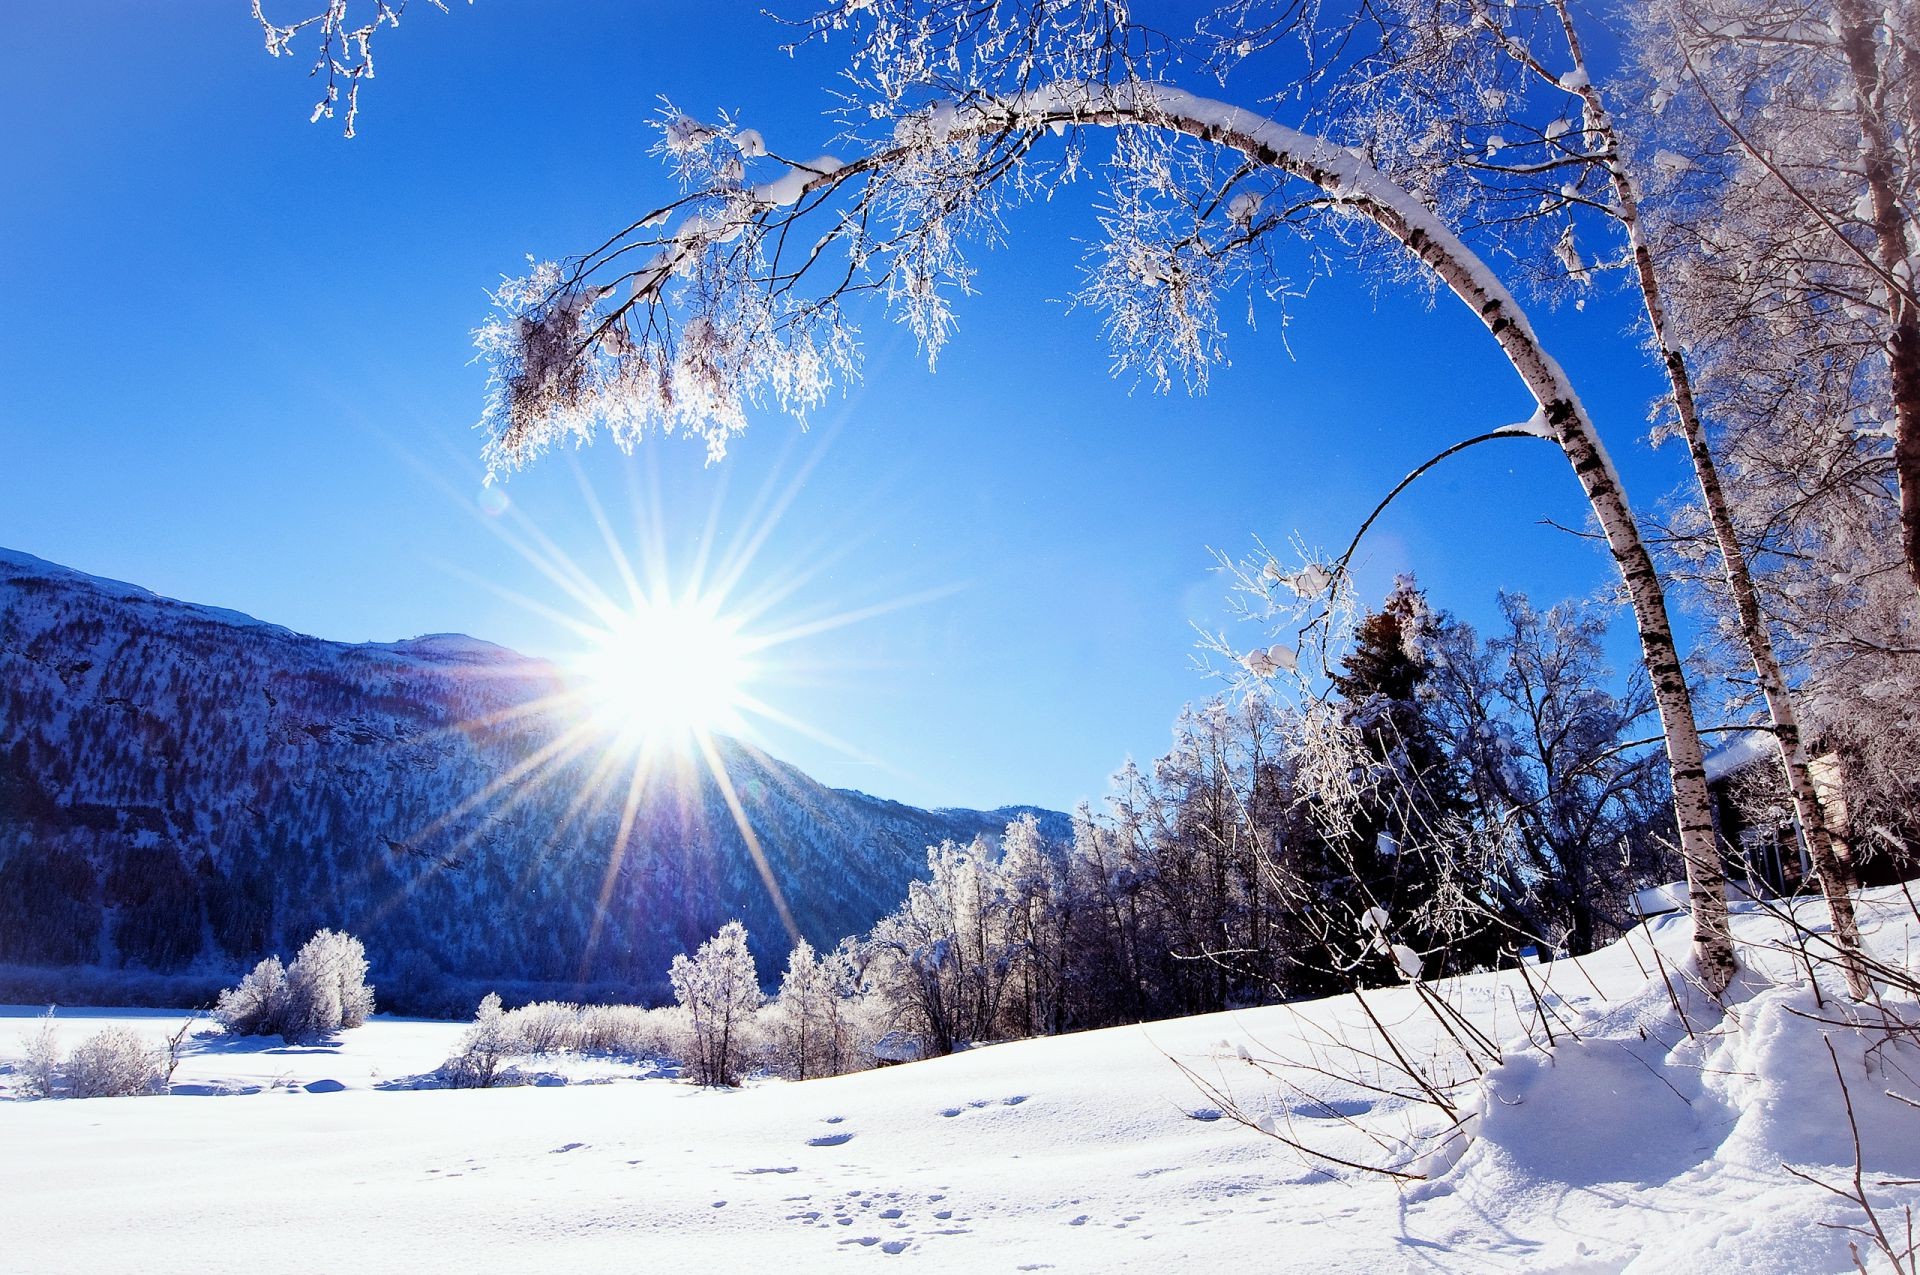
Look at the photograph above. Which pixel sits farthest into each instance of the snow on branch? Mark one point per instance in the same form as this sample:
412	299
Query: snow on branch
734	293
342	35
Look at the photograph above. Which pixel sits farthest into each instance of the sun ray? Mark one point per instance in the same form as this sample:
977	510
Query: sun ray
617	853
774	892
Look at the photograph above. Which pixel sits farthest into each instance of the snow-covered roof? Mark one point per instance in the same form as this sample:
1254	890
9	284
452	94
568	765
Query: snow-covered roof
1739	752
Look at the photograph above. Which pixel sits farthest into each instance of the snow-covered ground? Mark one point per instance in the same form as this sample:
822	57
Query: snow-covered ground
1622	1145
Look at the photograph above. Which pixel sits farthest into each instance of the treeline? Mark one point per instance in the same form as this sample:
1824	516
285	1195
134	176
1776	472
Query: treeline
1469	795
1460	796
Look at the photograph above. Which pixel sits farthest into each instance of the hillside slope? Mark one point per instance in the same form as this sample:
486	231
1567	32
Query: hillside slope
182	785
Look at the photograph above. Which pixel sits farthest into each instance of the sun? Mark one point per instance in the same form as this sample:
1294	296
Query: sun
670	671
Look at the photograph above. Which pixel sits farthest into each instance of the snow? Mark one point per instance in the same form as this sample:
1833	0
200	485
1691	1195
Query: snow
1621	1145
15	565
1739	752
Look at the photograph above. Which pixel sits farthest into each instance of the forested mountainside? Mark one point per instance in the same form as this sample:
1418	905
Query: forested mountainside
183	786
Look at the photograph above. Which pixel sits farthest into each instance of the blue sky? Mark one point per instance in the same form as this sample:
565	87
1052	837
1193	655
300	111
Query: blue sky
236	370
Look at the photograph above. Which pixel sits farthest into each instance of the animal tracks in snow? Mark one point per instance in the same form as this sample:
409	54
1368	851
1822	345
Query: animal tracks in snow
979	1103
891	1222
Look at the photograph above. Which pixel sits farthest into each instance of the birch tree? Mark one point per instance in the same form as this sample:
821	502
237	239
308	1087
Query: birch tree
1818	112
1782	140
1519	129
1814	115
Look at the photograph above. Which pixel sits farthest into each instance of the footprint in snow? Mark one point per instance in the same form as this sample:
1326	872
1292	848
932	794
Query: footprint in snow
895	1247
571	1146
976	1104
830	1140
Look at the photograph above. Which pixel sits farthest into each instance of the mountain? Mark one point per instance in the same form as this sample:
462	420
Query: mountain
184	787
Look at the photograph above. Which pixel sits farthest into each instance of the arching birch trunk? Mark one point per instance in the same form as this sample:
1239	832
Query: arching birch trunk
1360	188
1836	874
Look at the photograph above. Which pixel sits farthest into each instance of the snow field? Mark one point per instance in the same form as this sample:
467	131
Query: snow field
1624	1145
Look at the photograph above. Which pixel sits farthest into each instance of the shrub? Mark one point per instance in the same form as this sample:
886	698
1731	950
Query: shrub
484	1048
633	1031
257	1007
323	991
115	1063
43	1059
544	1027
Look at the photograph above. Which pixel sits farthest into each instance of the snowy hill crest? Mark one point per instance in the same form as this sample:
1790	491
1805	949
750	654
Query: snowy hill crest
183	785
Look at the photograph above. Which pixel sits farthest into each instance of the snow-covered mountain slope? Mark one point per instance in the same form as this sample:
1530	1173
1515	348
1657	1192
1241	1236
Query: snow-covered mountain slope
1644	1133
183	784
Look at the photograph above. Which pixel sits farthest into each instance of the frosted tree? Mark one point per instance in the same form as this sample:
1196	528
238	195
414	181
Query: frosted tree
719	990
736	294
1543	735
1783	167
322	992
942	959
1811	125
1514	128
339	37
328	985
1037	911
816	1020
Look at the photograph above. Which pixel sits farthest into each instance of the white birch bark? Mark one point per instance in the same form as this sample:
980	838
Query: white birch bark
1836	875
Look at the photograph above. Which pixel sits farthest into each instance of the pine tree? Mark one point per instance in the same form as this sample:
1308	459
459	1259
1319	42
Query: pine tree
1398	846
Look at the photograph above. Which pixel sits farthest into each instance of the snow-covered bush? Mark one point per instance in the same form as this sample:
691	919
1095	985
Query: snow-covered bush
42	1063
484	1048
115	1063
632	1030
544	1027
560	1027
328	982
719	990
257	1007
323	991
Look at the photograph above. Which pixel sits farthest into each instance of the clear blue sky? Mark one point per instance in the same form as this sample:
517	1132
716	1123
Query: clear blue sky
236	370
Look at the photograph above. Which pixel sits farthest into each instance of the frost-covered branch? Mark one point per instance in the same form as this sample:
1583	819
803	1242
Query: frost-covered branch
341	36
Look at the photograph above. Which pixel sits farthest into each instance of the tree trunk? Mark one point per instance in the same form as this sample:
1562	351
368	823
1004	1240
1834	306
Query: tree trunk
1857	40
1836	875
1361	188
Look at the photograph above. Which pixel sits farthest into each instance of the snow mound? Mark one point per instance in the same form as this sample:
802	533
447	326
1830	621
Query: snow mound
1740	1118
